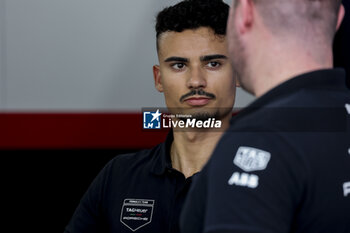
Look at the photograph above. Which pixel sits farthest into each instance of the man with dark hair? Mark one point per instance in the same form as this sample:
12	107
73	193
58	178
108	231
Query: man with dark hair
145	191
284	164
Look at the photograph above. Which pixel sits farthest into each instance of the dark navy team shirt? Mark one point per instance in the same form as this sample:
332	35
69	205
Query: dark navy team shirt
138	192
282	167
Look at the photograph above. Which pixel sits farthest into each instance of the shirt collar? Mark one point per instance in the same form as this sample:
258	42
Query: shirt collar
320	79
162	160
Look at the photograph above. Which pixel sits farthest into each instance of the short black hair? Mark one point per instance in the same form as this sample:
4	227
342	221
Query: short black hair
193	14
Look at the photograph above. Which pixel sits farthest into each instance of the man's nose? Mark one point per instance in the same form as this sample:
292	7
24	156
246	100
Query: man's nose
197	78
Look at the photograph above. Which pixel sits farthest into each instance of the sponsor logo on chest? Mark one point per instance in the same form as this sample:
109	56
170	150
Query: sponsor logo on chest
136	213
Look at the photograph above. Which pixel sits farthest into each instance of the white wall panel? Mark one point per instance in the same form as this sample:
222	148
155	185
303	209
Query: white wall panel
82	55
2	54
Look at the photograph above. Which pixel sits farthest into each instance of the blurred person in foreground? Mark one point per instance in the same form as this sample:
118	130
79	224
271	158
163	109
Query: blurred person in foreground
145	191
284	164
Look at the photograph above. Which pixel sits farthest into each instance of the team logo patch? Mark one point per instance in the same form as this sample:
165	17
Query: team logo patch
347	106
151	120
136	213
346	187
251	159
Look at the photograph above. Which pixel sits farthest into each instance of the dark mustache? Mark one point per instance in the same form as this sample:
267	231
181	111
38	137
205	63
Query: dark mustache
199	92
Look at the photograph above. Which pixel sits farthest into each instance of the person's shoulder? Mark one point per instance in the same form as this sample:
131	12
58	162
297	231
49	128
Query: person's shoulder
299	111
119	170
322	98
136	159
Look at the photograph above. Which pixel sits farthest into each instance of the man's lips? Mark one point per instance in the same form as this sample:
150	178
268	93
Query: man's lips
197	101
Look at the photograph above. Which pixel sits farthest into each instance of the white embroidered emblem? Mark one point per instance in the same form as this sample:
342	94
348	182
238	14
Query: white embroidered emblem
251	159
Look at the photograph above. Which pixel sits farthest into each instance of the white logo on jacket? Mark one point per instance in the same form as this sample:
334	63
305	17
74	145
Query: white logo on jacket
244	179
346	187
347	106
251	159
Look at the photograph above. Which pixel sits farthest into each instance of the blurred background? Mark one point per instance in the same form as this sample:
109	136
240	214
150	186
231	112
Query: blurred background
74	76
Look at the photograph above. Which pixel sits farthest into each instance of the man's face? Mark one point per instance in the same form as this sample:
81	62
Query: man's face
195	73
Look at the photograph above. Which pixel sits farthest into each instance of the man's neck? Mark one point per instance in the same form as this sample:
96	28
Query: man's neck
191	149
280	65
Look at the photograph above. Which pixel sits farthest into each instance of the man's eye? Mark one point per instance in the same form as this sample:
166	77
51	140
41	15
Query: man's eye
213	64
178	66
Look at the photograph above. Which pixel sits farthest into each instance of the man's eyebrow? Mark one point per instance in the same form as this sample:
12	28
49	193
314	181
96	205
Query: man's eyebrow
179	59
212	57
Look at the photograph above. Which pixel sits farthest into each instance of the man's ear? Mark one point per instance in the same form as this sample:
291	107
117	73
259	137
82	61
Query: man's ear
341	15
235	76
237	83
245	14
157	78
